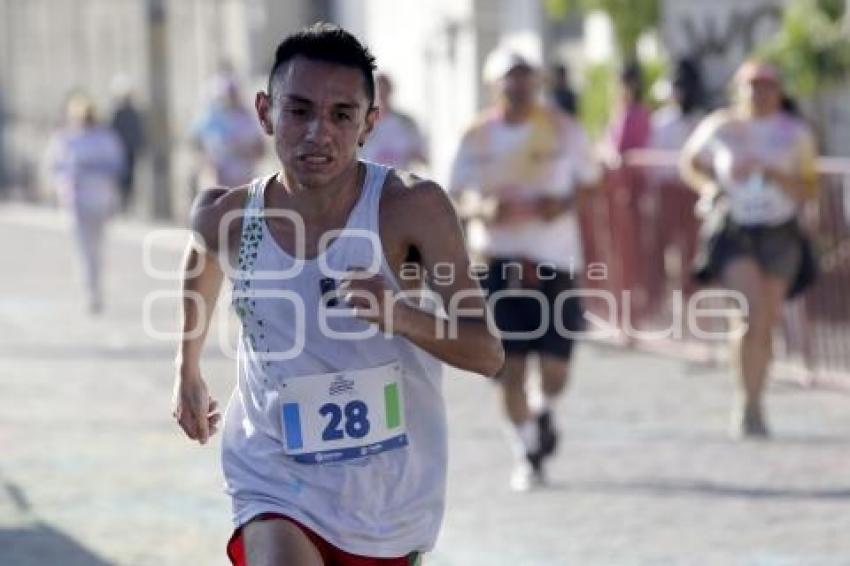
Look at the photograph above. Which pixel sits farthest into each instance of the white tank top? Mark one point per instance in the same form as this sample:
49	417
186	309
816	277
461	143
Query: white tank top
358	457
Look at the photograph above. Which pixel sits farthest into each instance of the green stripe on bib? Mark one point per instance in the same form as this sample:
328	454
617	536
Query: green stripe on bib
392	405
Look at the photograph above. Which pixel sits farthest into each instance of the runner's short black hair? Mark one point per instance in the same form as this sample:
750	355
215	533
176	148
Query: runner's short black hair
331	44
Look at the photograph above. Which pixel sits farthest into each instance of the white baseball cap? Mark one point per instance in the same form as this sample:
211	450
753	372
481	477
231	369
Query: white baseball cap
504	59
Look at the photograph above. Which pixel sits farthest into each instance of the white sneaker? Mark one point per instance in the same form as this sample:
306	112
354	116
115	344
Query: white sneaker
525	478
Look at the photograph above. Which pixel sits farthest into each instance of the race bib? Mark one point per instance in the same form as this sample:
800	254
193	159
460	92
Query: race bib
751	202
343	415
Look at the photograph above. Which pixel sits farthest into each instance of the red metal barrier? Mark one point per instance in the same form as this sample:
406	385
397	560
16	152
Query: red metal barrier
641	225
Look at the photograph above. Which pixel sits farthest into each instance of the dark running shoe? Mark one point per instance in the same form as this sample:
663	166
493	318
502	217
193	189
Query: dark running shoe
548	434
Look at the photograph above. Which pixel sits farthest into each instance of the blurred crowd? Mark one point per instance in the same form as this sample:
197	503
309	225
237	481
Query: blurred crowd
228	145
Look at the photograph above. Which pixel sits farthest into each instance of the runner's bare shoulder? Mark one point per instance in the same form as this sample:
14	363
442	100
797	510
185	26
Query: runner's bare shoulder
217	213
479	126
719	119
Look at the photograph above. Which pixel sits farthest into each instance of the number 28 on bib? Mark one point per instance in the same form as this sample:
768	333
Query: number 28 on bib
344	415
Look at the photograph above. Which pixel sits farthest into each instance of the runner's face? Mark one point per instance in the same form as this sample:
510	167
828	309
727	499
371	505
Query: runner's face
519	87
761	96
319	114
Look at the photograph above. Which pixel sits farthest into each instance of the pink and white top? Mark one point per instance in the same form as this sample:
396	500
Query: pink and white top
779	140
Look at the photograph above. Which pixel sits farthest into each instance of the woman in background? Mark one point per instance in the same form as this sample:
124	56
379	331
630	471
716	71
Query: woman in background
630	125
86	161
673	123
757	162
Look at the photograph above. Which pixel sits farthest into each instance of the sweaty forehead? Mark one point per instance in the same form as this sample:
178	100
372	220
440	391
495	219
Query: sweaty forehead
321	82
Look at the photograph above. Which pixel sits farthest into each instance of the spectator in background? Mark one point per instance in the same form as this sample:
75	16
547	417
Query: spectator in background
227	136
86	161
629	127
756	163
128	124
673	123
563	95
634	207
790	106
671	200
396	140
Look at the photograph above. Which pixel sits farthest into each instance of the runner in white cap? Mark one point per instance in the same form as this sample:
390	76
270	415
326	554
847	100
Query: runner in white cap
518	169
334	446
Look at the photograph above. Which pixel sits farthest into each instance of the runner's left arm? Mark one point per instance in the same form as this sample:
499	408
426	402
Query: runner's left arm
468	342
462	338
802	183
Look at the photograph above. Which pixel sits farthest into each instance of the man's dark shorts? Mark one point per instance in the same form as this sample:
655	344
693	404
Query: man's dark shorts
515	310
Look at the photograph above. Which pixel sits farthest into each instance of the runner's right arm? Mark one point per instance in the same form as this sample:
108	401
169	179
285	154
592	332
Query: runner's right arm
194	409
695	164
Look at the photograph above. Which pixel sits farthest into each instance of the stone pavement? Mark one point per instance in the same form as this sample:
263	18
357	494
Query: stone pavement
93	471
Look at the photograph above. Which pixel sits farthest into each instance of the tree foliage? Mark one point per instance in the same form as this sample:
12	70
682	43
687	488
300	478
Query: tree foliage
630	17
813	45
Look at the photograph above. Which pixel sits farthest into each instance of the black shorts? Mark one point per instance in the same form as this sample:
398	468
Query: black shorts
776	249
525	291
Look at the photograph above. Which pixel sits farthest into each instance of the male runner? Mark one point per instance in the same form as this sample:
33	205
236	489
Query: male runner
518	169
334	445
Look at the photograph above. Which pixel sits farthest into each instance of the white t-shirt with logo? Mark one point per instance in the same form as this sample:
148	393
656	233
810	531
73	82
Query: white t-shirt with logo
549	154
